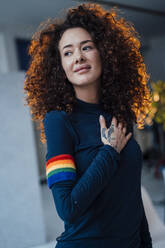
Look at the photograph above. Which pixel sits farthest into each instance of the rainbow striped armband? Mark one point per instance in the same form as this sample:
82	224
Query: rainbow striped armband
59	168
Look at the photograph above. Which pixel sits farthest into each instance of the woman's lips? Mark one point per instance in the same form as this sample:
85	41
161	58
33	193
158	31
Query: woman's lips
83	70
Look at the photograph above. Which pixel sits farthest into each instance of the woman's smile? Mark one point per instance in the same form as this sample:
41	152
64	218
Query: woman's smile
83	70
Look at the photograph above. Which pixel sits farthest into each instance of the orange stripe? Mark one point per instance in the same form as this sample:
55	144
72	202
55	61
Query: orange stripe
60	162
59	157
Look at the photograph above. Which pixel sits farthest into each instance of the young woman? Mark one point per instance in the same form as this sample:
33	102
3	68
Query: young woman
87	84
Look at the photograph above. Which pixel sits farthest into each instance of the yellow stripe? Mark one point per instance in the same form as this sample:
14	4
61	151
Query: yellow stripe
58	166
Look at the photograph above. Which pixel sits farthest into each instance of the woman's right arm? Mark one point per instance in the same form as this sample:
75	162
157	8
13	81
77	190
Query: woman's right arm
72	197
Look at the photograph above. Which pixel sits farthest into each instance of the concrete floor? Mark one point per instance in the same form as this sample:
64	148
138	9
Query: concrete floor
155	188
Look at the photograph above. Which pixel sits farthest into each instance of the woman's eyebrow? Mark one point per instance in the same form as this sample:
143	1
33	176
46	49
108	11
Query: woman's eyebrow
82	42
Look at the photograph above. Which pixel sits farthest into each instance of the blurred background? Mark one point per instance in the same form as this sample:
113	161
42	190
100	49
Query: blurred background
28	216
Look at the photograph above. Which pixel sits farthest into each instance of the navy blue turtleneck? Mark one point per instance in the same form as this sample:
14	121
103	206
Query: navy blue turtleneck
96	190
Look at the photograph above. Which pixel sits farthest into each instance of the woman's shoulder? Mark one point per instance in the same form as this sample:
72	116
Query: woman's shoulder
55	115
59	120
56	119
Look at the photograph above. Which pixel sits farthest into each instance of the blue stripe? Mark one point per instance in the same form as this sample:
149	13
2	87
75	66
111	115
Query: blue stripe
61	176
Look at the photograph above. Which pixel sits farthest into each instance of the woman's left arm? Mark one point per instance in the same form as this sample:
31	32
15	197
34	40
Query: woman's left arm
146	240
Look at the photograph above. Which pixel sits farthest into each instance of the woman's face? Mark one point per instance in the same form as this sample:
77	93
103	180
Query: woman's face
78	52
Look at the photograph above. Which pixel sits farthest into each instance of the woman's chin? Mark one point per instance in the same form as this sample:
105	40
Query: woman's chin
84	81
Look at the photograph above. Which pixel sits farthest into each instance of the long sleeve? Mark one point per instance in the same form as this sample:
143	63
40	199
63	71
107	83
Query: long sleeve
72	197
146	241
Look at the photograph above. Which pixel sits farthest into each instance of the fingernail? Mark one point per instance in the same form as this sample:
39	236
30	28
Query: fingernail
101	117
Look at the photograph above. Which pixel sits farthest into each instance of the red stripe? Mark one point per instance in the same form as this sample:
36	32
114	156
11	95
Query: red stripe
59	157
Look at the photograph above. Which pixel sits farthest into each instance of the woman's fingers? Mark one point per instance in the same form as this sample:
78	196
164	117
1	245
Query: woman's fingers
115	135
114	121
121	131
102	121
103	127
125	140
120	126
124	130
128	136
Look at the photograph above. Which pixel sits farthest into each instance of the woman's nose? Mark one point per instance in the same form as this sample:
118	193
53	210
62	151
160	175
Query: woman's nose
79	57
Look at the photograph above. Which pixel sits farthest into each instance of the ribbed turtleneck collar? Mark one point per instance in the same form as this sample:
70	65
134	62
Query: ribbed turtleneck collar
86	106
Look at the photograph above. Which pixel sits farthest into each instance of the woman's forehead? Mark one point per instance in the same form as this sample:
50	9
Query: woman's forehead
73	36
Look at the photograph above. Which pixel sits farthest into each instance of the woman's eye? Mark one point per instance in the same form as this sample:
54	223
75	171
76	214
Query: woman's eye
66	54
86	47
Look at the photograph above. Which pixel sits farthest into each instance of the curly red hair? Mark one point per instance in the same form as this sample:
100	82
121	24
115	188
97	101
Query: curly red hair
124	91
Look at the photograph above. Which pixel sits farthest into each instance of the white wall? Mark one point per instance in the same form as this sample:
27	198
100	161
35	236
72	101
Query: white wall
9	35
21	213
4	67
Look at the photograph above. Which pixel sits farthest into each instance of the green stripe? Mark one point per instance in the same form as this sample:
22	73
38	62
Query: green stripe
60	170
